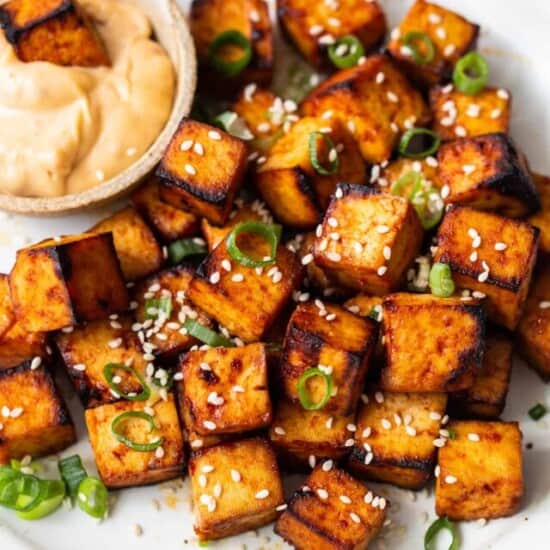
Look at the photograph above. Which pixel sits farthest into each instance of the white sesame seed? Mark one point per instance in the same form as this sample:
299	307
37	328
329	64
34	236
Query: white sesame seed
379	397
450	479
116	343
307	259
503	94
260	495
473	437
483	276
349	443
326	39
500	246
445	191
386	424
334	256
213	134
345	499
468	168
238	389
354	517
381	271
449	50
380	77
460	131
322	494
281	507
36	362
17	412
545	304
217	490
410	431
496	113
366	432
235	476
315	30
382	229
186	145
209	425
329	422
386	252
392	97
439	442
478	294
215	277
434	18
327	465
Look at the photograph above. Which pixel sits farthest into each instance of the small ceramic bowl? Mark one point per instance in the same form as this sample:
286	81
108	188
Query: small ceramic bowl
172	32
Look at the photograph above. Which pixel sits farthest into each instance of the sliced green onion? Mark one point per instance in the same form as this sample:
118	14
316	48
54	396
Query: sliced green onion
471	73
72	472
334	163
21	493
270	232
108	373
234	38
452	433
206	335
266	143
411	178
155	305
134	445
53	493
92	497
538	411
441	280
435	527
429	206
303	393
352	51
375	313
412	39
406	143
179	250
233	124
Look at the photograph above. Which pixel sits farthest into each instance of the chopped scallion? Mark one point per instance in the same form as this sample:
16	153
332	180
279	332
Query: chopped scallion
303	393
435	527
233	38
420	45
441	280
471	73
270	232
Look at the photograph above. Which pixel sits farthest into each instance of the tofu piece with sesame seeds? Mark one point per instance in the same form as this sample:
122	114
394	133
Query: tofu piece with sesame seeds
451	35
298	191
60	282
541	219
492	256
394	441
374	100
401	166
365	306
35	420
332	511
480	471
202	169
121	466
236	488
379	236
432	344
312	27
488	173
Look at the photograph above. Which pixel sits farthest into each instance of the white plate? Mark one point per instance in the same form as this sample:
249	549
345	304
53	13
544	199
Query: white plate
515	39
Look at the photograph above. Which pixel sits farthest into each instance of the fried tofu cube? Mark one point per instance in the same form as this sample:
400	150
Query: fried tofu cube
61	282
289	182
327	335
202	170
226	389
533	332
121	466
432	344
374	100
458	115
168	223
313	26
492	256
35	420
400	167
56	31
394	441
245	300
332	511
480	471
236	488
378	236
488	173
541	219
452	36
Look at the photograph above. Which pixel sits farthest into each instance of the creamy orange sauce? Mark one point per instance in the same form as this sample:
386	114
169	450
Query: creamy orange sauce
66	129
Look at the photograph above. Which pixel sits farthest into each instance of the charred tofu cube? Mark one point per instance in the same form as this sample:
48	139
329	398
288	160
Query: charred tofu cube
55	31
34	418
329	337
60	282
226	389
137	248
374	100
236	488
332	510
488	173
480	471
451	35
313	26
121	466
492	256
202	170
296	186
541	219
400	167
368	239
168	223
432	344
458	115
394	441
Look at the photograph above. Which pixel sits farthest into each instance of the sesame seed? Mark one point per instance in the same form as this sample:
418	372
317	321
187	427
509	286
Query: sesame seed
196	443
237	389
217	490
202	480
366	432
209	425
345	499
326	39
545	304
473	437
410	431
379	397
460	131
237	278
392	97
386	252
351	427
315	30
281	507
483	276
334	256
380	77
329	422
5	411
213	134
322	494
312	461
437	470
503	94
279	431
386	424
479	294
368	497
327	465
496	113
116	343
375	502
354	517
254	16
439	442
235	476
500	246
17	412
382	229
215	277
349	443
468	169
367	447
450	479
186	145
264	493
249	91
449	50
434	18
441	33
307	259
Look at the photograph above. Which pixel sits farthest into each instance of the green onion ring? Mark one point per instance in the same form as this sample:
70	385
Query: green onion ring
23	485
164	304
429	206
413	178
303	394
92	497
179	250
319	168
72	472
233	124
108	373
435	527
355	48
464	82
441	280
53	493
141	447
411	39
270	232
206	335
409	135
538	411
230	68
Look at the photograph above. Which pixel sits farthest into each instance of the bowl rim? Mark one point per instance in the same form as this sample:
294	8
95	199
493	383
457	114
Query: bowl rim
186	71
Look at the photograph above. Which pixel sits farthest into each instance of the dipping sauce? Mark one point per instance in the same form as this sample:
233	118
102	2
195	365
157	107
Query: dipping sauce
66	129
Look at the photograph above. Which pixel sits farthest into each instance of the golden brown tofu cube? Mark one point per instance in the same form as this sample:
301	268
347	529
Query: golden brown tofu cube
533	331
34	418
56	31
400	167
121	466
492	256
368	239
236	488
290	184
202	170
480	471
458	115
432	344
245	300
452	36
332	511
394	441
168	223
60	282
327	335
374	100
541	219
313	26
488	173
